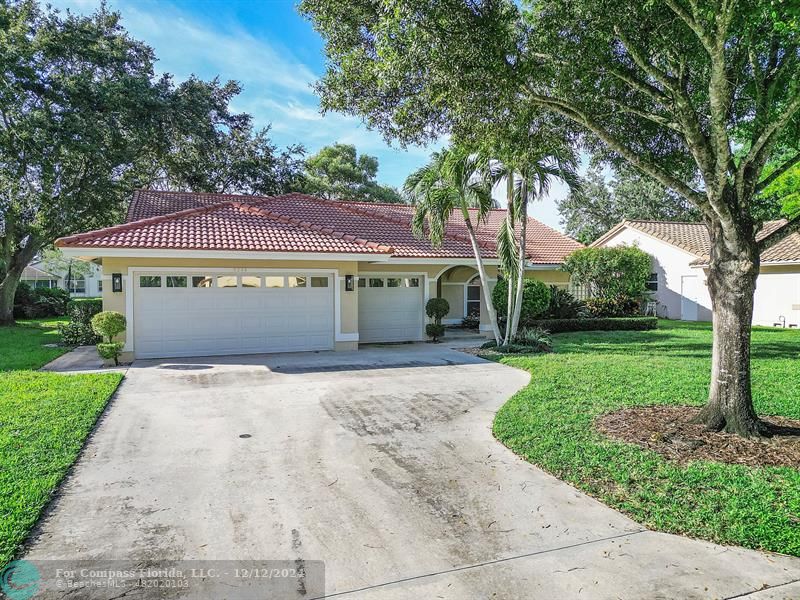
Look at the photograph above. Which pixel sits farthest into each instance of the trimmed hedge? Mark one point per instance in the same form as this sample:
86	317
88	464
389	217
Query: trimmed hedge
603	324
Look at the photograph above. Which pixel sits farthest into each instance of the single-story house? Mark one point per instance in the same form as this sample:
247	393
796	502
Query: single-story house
209	274
89	284
680	254
36	277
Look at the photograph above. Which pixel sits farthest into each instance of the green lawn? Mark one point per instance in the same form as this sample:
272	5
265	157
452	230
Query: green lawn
44	420
550	424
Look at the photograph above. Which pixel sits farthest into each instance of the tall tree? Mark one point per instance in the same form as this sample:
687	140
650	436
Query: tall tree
83	120
452	182
663	86
596	205
337	172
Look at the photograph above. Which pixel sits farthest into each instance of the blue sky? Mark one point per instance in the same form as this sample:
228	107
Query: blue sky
276	55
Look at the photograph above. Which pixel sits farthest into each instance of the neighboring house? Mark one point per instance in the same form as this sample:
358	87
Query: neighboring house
680	253
36	277
208	274
87	285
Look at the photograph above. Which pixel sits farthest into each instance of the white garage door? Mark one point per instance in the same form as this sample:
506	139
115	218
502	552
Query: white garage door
205	314
390	309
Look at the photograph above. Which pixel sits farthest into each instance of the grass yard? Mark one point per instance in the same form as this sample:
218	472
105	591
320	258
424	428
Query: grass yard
44	421
550	423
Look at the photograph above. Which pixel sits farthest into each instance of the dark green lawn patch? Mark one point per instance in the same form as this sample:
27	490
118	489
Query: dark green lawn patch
550	423
23	346
44	420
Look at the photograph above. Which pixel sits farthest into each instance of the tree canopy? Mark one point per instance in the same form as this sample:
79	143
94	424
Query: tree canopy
337	172
596	205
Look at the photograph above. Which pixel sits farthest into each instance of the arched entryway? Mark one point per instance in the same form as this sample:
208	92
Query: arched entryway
460	286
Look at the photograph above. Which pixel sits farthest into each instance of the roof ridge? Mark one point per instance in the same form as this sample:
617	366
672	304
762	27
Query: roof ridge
319	229
80	237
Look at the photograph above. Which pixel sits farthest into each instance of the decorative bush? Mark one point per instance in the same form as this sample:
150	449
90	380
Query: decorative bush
79	332
564	305
535	299
110	351
534	337
619	306
109	324
436	309
36	303
630	323
614	272
434	331
471	322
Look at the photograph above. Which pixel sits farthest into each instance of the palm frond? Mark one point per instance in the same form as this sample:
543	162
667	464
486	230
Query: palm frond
507	250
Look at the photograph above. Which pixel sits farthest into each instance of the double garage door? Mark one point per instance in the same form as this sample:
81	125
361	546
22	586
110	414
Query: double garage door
204	314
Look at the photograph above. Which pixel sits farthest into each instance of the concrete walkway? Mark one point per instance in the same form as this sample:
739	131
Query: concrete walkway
81	359
380	463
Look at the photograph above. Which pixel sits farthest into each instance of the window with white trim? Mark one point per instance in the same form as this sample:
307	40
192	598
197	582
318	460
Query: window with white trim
652	282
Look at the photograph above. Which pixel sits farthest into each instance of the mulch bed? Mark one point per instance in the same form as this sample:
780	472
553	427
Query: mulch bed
668	431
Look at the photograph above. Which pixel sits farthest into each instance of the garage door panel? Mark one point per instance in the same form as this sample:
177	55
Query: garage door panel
234	320
390	314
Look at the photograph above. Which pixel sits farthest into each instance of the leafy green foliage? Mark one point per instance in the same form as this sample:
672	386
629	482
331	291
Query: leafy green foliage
610	272
336	172
564	305
79	330
108	324
597	324
40	302
595	206
437	309
535	298
534	337
615	306
110	351
434	331
550	423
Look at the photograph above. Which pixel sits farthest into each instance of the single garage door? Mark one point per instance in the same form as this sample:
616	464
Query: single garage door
206	314
390	308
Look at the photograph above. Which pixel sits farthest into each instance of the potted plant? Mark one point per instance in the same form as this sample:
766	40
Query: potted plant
436	309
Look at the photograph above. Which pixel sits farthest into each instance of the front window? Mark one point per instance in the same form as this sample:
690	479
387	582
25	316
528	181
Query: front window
473	301
77	285
652	282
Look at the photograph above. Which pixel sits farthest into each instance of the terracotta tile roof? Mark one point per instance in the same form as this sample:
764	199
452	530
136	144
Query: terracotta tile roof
694	238
298	222
225	226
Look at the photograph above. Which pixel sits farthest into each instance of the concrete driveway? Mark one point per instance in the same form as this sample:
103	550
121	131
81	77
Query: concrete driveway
380	463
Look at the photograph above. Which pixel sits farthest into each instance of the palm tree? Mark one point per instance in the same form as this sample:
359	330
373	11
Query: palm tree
527	178
452	182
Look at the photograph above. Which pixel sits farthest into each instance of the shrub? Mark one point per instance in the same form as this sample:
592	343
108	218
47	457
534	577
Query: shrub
618	306
30	303
434	330
108	324
110	351
629	323
519	349
534	337
611	272
437	309
79	332
489	344
564	305
535	299
471	322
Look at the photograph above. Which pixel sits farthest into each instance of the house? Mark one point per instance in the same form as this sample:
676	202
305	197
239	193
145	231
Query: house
83	285
209	274
680	254
36	277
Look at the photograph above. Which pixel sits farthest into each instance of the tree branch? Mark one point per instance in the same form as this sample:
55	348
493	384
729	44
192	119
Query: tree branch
773	129
692	23
764	183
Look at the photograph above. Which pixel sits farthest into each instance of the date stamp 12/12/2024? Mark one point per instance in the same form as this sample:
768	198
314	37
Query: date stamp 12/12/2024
100	579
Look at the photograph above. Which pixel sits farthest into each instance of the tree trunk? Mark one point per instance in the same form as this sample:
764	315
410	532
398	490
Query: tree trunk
483	277
8	289
509	280
523	236
731	284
